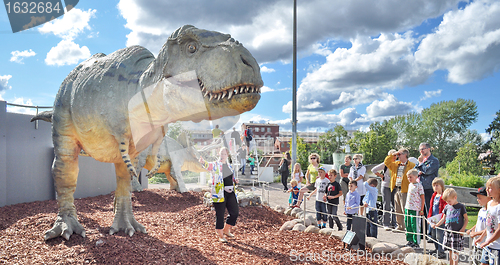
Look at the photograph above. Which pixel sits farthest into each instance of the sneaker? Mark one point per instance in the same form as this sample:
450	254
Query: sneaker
441	255
323	226
415	246
386	228
409	244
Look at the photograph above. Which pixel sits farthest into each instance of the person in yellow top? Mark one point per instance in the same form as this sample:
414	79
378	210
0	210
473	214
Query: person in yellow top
216	132
312	171
399	181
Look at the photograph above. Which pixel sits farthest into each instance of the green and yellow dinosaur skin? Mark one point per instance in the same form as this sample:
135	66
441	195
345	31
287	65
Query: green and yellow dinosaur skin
91	110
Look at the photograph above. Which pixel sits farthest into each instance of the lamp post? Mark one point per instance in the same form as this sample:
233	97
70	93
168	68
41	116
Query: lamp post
294	86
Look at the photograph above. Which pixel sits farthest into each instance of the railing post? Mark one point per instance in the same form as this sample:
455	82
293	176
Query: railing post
305	209
36	122
425	235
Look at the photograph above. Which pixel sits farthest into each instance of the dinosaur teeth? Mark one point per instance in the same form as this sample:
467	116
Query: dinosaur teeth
224	93
211	95
230	94
242	89
206	93
252	89
219	96
236	90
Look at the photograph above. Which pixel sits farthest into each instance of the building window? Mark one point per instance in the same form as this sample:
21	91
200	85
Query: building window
268	129
256	129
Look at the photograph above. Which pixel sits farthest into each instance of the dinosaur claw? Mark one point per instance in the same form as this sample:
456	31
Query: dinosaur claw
66	236
131	232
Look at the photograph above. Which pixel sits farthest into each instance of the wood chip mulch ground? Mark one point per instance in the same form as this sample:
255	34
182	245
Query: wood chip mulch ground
180	231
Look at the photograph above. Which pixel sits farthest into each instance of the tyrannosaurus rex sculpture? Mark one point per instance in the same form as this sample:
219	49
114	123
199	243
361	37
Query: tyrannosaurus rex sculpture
92	110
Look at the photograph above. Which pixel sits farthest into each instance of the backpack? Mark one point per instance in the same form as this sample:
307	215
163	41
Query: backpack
248	134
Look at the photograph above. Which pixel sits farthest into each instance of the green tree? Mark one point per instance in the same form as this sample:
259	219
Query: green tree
329	142
493	144
302	153
355	142
466	162
374	148
174	130
444	123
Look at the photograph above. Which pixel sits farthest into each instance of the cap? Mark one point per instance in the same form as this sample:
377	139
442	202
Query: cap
480	191
322	168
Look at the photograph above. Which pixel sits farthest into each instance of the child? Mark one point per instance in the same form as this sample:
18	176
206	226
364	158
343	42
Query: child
299	177
357	173
414	207
320	186
294	194
480	227
492	243
456	219
252	163
333	192
351	202
370	203
436	209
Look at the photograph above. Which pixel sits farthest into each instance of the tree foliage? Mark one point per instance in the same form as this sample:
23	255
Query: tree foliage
466	162
374	147
330	142
302	153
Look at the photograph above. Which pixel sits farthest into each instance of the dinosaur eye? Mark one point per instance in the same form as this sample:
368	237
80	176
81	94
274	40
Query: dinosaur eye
191	48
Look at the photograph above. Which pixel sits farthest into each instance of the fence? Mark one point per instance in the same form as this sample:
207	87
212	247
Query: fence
26	155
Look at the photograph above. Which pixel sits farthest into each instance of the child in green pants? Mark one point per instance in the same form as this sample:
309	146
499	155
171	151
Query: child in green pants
413	208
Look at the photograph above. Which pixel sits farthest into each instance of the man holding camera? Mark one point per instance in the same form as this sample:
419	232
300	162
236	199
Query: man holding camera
399	181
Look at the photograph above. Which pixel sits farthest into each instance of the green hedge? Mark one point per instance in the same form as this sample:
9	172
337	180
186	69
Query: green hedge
464	180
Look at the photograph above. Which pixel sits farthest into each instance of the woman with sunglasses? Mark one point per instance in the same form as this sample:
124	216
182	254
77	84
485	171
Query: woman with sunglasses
312	170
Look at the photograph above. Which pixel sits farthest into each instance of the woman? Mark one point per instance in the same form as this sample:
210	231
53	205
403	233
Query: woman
312	170
223	193
357	173
284	171
344	173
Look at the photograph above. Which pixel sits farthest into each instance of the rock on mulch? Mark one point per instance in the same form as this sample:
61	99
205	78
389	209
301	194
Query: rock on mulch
180	231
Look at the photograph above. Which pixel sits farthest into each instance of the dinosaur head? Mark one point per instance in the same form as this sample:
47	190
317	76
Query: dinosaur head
228	75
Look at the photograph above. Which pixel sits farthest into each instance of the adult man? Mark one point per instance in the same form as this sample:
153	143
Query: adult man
236	136
427	171
382	171
399	181
242	156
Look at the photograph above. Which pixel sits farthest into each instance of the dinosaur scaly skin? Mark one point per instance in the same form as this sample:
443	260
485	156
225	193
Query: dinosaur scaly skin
91	110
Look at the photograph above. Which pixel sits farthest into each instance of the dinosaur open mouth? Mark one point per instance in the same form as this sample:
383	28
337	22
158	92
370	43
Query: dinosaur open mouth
228	92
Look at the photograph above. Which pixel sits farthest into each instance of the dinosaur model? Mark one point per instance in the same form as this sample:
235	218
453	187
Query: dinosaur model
174	157
103	101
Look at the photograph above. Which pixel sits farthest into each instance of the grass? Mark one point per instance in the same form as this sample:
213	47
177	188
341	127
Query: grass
472	214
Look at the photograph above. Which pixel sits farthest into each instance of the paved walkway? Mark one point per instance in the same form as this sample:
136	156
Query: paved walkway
275	196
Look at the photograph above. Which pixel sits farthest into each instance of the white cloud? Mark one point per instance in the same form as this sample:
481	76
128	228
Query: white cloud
4	82
431	94
70	25
66	53
390	106
21	101
264	26
265	89
265	69
466	43
18	56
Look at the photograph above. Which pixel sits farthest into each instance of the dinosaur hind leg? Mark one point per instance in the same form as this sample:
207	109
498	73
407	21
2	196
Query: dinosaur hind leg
126	158
65	174
124	218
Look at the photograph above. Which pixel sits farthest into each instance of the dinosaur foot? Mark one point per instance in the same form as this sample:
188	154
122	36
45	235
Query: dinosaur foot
136	186
124	218
66	224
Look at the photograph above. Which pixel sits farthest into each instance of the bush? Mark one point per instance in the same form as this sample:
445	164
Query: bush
158	179
464	180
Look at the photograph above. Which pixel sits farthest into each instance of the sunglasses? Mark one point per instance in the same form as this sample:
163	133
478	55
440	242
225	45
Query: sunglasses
313	157
422	149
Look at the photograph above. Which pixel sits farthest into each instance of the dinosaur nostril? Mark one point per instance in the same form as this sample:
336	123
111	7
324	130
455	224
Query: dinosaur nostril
245	61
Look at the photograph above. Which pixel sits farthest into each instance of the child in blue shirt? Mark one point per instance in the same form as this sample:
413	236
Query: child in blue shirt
351	203
370	203
294	194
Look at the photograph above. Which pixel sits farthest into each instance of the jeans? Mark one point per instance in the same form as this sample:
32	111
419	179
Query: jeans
320	211
371	228
388	205
332	211
349	220
243	164
437	234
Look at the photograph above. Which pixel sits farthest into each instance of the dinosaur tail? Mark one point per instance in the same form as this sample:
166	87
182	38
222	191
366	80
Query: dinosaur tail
44	116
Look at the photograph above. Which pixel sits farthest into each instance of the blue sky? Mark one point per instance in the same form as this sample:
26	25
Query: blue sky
359	61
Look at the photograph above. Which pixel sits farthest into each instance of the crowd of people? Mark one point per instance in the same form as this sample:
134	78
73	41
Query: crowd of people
411	191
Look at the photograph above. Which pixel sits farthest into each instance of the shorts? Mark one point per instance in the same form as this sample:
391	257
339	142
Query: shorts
454	241
361	200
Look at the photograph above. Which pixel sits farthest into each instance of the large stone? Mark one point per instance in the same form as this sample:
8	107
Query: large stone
326	231
312	218
421	259
338	234
400	253
312	229
288	211
288	226
384	247
295	211
299	221
279	209
371	241
299	227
